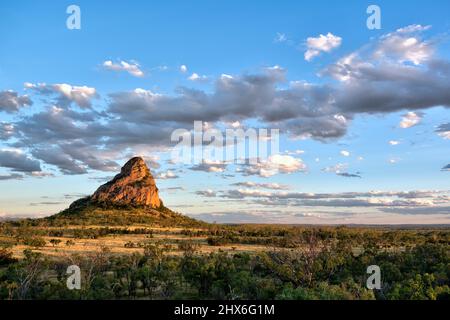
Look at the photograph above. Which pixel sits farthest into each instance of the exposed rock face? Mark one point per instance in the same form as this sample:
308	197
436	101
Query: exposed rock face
134	185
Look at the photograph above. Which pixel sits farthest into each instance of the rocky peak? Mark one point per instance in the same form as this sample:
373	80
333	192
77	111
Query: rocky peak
135	169
134	185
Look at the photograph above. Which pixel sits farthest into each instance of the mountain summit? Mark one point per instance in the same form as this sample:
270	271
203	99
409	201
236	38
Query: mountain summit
130	197
134	185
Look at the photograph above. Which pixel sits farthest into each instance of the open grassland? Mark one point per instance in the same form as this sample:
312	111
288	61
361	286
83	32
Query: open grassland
56	239
136	253
130	230
172	238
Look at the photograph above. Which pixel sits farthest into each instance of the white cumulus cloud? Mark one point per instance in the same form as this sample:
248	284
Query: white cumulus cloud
323	43
276	164
410	119
132	68
166	175
197	77
81	95
405	45
183	68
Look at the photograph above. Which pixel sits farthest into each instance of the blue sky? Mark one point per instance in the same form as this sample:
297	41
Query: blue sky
365	121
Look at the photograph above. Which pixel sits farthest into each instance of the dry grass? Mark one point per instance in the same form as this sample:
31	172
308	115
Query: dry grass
116	243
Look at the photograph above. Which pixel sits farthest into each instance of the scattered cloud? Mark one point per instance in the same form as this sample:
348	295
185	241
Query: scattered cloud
166	175
410	119
349	175
275	164
394	160
66	93
183	68
394	142
11	101
151	161
341	169
6	130
405	45
41	174
198	78
64	162
244	193
374	85
12	176
294	152
444	131
323	43
75	195
446	168
235	124
18	161
441	210
375	199
274	186
345	153
338	168
413	28
280	37
161	68
210	166
206	193
46	203
132	68
174	189
366	84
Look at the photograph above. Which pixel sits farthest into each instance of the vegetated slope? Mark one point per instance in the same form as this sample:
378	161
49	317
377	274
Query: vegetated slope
86	212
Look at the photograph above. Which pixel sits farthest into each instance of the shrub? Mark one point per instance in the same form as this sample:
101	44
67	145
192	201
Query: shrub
34	242
217	241
129	244
6	257
55	242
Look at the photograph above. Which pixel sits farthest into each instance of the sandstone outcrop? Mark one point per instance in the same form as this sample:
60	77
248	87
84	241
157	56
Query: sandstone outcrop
134	185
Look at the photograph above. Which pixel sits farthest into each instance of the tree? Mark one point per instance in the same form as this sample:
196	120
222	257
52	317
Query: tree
70	243
24	276
55	242
35	242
